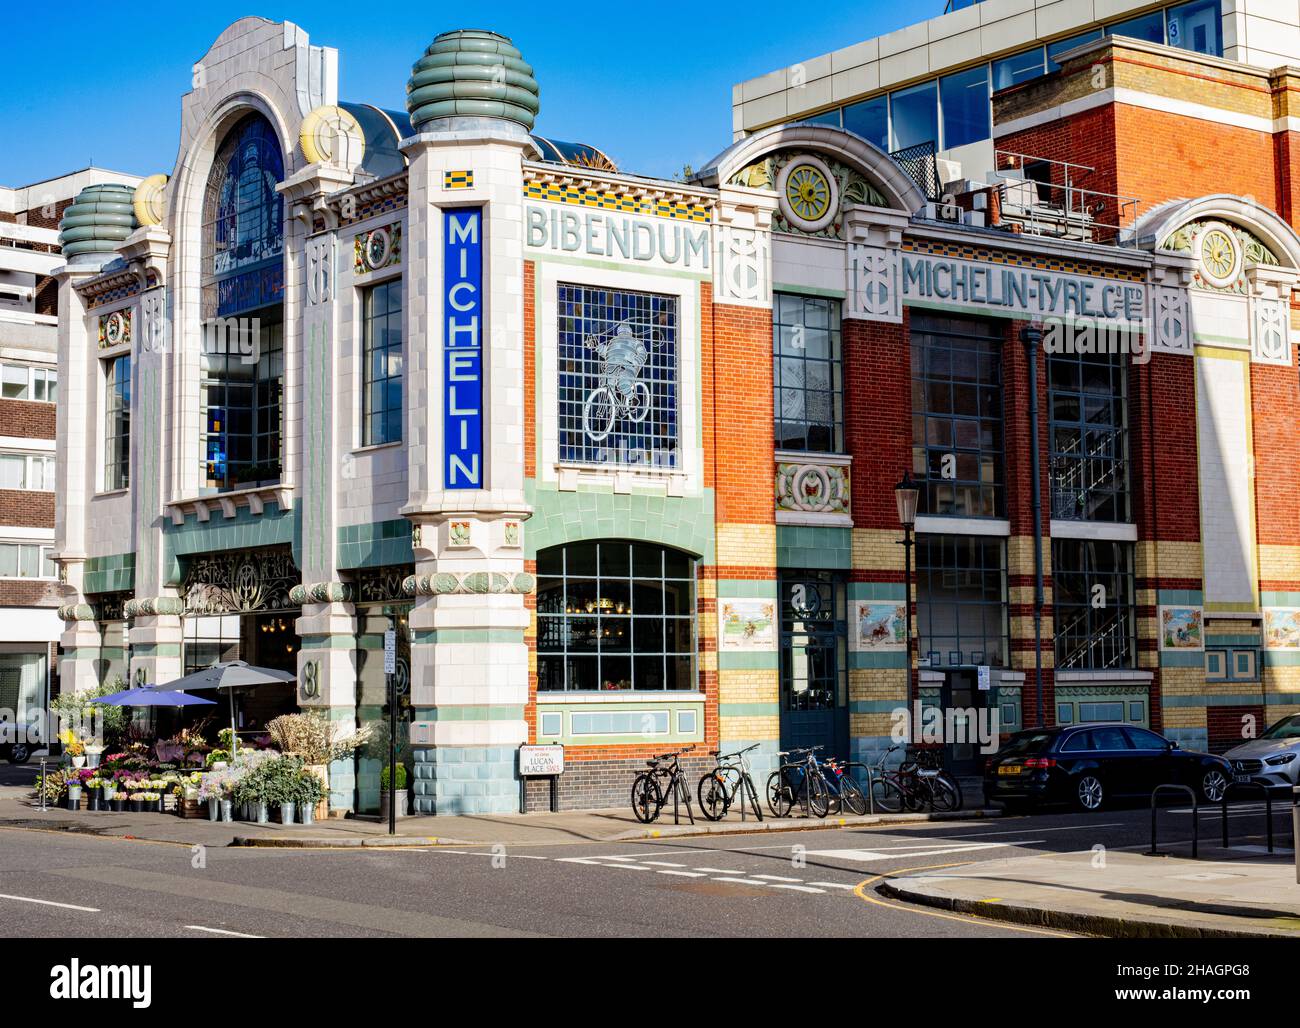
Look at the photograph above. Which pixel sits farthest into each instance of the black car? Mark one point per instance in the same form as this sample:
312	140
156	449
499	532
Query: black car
1089	765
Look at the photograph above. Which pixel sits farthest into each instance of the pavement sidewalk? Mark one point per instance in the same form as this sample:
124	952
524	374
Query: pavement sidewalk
1238	892
615	825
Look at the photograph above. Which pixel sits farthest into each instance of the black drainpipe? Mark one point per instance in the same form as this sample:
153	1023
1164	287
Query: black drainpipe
1032	336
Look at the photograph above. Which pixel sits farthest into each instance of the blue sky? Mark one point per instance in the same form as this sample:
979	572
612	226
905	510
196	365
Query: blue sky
101	83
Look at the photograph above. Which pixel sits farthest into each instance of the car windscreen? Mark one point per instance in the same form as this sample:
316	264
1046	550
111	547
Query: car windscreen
1024	743
1287	728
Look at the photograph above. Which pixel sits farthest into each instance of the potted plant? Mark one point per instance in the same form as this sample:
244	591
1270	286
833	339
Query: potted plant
137	802
108	792
385	792
153	801
311	790
94	786
74	792
312	736
76	749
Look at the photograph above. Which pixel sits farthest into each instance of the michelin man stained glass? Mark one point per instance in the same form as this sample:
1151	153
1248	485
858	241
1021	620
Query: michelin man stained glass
617	377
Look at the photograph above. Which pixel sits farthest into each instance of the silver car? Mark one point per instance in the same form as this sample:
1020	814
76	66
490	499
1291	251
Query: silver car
1273	759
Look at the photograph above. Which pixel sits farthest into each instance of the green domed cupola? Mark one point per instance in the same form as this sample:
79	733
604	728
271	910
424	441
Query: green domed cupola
98	220
472	73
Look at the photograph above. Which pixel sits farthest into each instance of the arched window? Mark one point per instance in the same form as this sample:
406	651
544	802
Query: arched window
242	274
615	615
243	218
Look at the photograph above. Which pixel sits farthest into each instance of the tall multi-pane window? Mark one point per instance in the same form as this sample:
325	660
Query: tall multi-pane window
961	589
381	397
117	423
614	616
1092	589
242	278
1089	440
618	390
241	407
27	560
26	471
808	374
957	416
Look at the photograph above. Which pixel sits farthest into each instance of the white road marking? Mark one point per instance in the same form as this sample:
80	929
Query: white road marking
618	858
629	867
833	885
684	874
778	878
49	903
579	860
718	871
801	888
662	863
741	881
223	931
931	851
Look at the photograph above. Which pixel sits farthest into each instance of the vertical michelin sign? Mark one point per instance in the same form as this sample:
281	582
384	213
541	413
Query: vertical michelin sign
463	348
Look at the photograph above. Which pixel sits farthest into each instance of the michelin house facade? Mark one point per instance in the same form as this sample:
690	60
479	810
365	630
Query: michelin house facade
616	456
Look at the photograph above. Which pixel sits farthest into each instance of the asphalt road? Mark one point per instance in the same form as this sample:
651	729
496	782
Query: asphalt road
819	882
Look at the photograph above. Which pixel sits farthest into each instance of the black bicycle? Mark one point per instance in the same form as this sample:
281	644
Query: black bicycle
728	781
648	798
801	781
846	793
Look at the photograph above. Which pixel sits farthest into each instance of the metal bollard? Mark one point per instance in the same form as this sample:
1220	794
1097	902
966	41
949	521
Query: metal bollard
1295	828
44	807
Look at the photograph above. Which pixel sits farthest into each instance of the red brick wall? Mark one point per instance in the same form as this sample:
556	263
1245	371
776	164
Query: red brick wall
1275	402
1225	725
27	419
877	417
27	508
739	433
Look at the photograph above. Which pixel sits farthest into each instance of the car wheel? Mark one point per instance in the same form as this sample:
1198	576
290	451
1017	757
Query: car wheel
20	753
1089	793
1214	785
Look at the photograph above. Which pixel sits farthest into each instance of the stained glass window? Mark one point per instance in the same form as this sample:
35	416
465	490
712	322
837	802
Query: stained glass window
617	377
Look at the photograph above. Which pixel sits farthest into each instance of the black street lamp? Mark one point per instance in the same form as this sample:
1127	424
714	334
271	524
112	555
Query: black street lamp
906	494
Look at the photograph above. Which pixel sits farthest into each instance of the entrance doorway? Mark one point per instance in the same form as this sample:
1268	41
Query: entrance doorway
963	705
814	672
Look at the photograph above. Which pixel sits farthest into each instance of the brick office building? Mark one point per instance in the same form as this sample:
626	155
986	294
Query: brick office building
29	592
617	455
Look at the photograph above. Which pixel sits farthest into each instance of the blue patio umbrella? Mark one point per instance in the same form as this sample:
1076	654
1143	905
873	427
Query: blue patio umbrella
149	696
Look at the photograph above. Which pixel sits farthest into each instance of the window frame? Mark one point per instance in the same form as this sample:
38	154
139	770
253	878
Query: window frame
49	466
116	472
390	287
1062	461
833	363
939	585
44	556
567	620
1088	574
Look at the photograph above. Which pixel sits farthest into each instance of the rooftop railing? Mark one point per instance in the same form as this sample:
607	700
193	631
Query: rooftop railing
1044	198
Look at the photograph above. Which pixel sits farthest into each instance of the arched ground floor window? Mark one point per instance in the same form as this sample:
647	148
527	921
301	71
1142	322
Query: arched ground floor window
615	615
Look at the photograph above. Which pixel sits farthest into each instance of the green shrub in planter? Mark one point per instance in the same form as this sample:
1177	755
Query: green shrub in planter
401	777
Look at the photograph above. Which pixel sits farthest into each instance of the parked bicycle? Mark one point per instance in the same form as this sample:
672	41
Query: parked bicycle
728	782
912	787
648	797
846	793
802	781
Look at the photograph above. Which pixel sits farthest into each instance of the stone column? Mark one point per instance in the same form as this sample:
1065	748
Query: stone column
74	436
469	663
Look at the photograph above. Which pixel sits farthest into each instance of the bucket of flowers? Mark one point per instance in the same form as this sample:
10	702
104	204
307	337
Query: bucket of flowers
94	791
153	802
73	747
73	781
137	802
107	792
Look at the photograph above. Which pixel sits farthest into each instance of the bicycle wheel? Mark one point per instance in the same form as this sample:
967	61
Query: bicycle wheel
851	797
819	795
780	797
646	799
746	788
955	786
886	796
944	794
714	798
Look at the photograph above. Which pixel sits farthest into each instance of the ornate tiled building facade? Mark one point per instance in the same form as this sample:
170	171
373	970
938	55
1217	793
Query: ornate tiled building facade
615	458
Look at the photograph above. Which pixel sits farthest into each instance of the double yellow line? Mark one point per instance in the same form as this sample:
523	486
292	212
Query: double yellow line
860	890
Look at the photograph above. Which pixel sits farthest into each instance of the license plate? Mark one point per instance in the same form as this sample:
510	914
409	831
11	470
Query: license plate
1009	769
1241	778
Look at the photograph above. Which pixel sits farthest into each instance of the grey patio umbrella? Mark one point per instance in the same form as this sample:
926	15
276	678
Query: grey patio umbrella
229	675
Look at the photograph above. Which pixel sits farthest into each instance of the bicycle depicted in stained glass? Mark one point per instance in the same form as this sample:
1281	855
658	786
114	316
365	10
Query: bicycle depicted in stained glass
621	392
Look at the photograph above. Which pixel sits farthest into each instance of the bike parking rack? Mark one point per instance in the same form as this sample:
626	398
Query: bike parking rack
1268	809
1196	816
